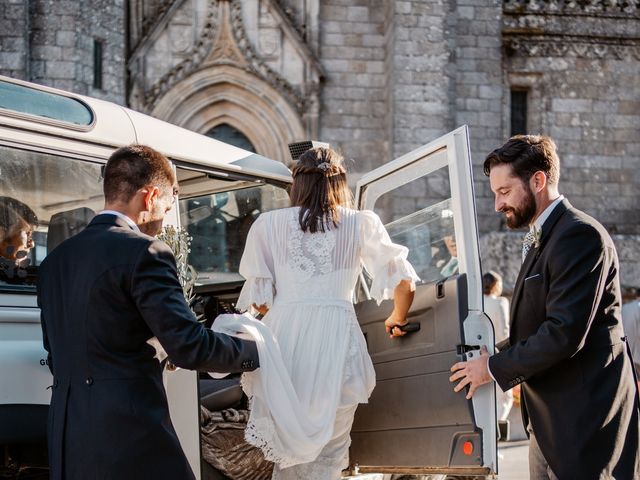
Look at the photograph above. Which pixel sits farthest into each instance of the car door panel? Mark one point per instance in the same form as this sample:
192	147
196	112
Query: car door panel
414	421
409	373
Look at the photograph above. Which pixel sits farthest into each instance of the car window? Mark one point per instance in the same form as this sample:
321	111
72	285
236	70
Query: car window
219	223
44	199
419	215
46	105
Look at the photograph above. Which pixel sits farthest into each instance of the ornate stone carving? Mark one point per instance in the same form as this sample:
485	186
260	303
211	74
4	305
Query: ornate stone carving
573	47
190	63
627	8
294	96
224	41
293	16
549	28
149	21
225	47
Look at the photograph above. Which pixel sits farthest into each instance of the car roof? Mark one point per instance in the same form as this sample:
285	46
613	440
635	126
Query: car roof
109	124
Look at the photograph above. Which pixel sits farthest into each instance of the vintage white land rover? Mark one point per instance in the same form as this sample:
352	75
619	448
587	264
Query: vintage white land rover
52	147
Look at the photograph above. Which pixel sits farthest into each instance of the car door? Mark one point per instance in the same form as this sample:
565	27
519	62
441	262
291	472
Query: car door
414	422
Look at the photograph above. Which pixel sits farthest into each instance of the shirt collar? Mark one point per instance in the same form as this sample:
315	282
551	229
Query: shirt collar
537	224
121	215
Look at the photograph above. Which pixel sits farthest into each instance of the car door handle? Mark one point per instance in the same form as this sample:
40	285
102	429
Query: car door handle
409	327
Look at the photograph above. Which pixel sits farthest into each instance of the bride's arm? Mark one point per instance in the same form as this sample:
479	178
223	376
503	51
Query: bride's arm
402	299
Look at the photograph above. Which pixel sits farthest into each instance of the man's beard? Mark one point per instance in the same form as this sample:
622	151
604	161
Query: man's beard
152	223
152	228
522	215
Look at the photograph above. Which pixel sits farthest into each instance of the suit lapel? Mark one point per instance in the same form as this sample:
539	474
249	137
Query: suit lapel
534	253
522	274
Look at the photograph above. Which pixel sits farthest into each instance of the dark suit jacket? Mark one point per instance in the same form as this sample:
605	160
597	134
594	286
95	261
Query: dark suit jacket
566	345
103	294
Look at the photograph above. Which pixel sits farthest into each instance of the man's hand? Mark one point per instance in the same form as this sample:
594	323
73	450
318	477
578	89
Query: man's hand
473	373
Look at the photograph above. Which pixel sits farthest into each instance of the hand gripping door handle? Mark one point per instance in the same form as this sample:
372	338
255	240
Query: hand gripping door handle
408	327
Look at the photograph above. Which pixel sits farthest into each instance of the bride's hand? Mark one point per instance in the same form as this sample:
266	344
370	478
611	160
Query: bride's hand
262	309
394	320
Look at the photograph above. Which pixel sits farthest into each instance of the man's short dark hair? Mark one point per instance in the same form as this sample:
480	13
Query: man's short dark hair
133	167
527	154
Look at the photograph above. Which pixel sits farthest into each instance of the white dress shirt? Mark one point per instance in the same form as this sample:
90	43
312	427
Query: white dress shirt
538	222
121	215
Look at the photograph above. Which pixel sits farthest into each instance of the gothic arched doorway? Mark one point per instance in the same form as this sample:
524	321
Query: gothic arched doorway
226	94
229	134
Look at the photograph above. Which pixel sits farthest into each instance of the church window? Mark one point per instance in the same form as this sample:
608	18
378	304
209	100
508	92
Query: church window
228	134
518	111
97	64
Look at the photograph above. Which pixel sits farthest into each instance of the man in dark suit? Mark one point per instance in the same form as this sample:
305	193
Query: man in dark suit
103	294
566	345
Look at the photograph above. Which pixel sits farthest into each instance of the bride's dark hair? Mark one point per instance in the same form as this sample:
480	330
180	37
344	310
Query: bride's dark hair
319	187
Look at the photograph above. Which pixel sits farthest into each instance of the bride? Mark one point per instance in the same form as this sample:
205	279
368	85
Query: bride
301	265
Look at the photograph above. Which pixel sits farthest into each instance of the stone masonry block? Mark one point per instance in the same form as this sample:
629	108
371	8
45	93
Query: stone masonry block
333	12
11	61
467	13
490	91
60	69
373	41
403	7
48	53
357	14
571	105
65	38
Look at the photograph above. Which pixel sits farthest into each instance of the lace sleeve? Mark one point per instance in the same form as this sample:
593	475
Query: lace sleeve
256	266
384	260
258	291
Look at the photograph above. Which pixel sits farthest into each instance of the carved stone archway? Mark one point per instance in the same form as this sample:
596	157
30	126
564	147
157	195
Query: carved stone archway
229	94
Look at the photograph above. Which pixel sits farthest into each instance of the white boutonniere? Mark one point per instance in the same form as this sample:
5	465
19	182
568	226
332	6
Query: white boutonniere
537	234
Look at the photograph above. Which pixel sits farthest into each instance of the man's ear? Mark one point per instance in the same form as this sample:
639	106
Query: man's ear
538	181
150	196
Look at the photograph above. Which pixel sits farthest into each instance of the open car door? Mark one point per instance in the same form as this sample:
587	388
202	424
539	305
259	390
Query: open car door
414	423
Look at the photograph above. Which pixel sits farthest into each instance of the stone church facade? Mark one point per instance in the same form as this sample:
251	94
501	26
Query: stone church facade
375	78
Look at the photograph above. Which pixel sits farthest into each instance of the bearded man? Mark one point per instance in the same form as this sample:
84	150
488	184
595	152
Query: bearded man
566	344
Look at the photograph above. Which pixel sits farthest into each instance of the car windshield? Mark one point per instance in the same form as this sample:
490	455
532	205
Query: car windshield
219	222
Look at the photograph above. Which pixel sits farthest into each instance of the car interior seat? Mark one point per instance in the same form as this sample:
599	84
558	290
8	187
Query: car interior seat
66	224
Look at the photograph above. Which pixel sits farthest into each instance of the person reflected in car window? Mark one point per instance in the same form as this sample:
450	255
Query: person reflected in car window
451	266
17	223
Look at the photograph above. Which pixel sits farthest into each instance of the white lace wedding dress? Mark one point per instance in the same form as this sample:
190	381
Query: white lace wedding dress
301	417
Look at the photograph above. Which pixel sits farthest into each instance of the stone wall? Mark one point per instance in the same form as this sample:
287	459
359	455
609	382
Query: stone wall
53	44
585	94
14	39
423	73
354	103
480	92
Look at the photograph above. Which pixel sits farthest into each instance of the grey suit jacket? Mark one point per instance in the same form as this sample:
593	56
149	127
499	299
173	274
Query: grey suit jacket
566	347
103	293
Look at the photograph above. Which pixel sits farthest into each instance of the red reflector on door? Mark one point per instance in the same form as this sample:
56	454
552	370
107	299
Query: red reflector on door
467	448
